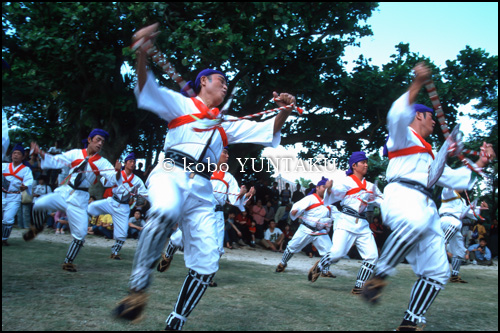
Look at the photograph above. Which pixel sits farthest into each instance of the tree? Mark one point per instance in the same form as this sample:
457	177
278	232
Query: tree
66	58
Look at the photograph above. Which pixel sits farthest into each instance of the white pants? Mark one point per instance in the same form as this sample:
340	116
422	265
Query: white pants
177	197
343	240
75	205
10	207
119	212
177	237
413	218
302	237
457	244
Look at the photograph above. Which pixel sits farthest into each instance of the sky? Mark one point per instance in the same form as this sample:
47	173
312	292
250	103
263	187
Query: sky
437	30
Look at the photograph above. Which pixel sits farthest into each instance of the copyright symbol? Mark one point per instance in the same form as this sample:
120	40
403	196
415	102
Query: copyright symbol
168	164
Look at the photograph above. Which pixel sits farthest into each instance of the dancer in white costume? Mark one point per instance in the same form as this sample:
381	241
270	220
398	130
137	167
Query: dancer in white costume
316	224
87	166
179	189
16	177
118	205
226	190
354	194
453	209
408	209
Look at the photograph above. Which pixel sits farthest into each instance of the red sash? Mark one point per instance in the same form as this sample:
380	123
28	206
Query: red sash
219	175
91	163
14	173
361	185
205	113
414	149
320	203
129	180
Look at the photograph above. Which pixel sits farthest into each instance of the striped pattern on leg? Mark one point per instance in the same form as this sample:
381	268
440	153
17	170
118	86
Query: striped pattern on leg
325	262
450	232
6	230
116	248
73	250
171	249
287	255
38	218
191	292
455	266
149	248
397	247
423	294
365	271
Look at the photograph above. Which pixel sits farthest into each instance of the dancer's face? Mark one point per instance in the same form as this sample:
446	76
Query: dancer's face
216	86
361	167
17	156
95	144
427	124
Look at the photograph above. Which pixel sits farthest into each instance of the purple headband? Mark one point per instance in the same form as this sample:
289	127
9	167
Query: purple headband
321	182
422	108
356	157
19	147
98	131
131	156
196	86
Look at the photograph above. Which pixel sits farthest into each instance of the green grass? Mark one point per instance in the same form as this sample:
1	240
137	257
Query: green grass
38	295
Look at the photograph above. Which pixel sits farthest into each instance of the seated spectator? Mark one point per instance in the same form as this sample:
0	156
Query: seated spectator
242	222
273	237
135	225
61	222
282	216
479	254
252	229
287	236
103	227
310	251
234	235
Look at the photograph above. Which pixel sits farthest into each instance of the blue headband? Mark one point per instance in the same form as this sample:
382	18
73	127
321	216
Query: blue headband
98	131
19	147
356	157
131	156
196	86
321	182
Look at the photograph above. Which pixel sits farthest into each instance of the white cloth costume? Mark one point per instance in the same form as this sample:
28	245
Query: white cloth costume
351	227
316	222
411	214
178	195
11	195
118	204
408	209
73	201
180	190
453	209
225	189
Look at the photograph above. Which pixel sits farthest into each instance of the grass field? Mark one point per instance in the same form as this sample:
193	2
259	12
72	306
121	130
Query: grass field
38	295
